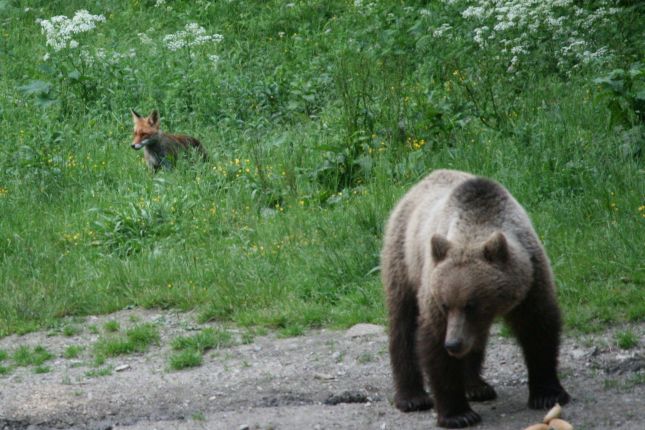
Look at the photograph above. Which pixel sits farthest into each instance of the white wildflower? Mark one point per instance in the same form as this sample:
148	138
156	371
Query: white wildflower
521	27
214	59
474	12
60	29
479	35
192	35
440	31
160	3
515	50
145	39
504	25
513	64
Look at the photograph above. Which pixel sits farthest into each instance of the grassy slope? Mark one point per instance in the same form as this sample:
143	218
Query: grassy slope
273	230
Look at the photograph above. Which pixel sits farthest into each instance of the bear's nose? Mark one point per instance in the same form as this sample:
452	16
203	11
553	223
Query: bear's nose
453	346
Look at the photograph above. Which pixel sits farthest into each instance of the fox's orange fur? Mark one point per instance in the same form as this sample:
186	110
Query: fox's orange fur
161	149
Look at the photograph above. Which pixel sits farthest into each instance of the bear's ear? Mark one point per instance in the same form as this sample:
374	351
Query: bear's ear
440	246
496	248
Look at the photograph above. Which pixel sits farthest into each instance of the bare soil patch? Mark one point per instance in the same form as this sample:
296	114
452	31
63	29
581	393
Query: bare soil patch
324	380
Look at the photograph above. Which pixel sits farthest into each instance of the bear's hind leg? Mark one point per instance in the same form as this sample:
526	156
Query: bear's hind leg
477	390
410	394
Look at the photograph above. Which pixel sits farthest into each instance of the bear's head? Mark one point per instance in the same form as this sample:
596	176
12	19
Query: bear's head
471	285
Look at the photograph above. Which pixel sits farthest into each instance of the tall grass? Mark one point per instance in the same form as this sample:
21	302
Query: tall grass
317	116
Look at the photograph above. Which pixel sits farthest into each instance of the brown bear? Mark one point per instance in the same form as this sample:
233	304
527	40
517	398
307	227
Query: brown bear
460	251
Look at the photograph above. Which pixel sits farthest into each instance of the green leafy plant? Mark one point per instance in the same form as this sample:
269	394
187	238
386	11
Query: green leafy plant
623	92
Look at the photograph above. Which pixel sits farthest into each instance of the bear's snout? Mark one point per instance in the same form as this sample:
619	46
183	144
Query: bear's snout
457	339
454	346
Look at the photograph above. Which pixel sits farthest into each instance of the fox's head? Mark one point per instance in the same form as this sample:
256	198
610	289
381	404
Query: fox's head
146	129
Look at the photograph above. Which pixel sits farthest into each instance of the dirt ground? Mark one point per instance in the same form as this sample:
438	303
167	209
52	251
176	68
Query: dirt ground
323	380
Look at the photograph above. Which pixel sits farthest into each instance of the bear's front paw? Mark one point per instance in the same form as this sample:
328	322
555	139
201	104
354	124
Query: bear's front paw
546	398
468	418
419	402
480	392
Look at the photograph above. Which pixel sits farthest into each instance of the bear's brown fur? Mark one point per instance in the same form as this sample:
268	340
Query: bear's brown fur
459	251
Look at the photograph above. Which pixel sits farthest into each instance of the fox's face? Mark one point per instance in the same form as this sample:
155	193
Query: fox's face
145	129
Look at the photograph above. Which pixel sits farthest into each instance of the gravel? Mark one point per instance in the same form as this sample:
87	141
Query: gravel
323	380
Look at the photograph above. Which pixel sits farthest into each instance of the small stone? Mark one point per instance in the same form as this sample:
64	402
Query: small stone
244	427
324	376
121	368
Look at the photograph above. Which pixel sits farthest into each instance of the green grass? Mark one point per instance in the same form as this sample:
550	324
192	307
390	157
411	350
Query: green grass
135	340
206	339
36	356
190	349
185	359
626	339
73	351
317	117
111	326
71	330
4	355
97	373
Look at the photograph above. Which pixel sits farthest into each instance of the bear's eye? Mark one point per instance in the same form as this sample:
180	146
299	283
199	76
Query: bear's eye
444	307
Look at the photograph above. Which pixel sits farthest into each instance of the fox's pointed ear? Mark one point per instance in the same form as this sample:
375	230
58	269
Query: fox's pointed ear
440	246
135	115
496	248
153	118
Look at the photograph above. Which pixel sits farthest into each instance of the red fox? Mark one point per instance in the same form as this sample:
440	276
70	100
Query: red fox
161	149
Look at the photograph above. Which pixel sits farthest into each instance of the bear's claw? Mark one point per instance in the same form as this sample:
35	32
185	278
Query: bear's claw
420	402
546	400
480	392
468	418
